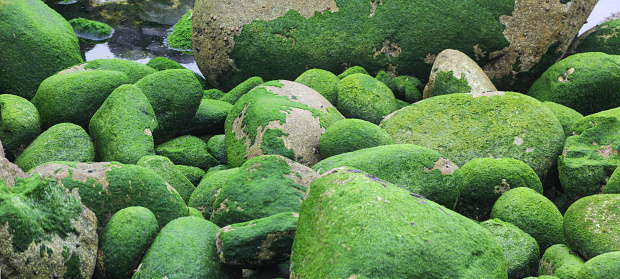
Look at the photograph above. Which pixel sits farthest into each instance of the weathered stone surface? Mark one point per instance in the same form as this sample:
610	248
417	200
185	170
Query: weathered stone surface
561	261
20	124
8	171
520	249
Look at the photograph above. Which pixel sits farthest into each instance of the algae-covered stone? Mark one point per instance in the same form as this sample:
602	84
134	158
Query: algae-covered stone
45	232
20	124
234	94
512	40
353	70
405	88
533	213
590	156
324	82
348	135
165	63
209	118
613	185
520	249
8	172
167	170
91	30
566	115
455	72
354	226
35	43
486	179
601	38
601	267
278	117
585	82
203	198
124	240
195	212
217	147
185	248
417	169
259	242
592	225
561	261
122	128
61	142
364	97
213	94
495	124
106	188
180	37
74	97
134	70
263	186
193	174
175	97
187	150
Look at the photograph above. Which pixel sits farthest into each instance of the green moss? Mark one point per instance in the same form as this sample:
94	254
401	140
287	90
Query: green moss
166	168
73	267
348	135
561	261
566	115
353	70
203	198
19	124
604	38
209	118
273	144
193	174
134	70
324	82
180	37
217	147
91	30
363	97
195	212
602	266
447	83
187	150
233	95
213	94
165	63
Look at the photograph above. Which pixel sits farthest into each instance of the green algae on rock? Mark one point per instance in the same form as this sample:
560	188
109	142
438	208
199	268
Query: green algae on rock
193	174
134	70
168	171
561	261
165	63
354	226
364	97
601	38
601	267
217	147
324	82
234	94
566	115
19	124
45	230
203	198
209	118
91	30
187	150
180	37
348	135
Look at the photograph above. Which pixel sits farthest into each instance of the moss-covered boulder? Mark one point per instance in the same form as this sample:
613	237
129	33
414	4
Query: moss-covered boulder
487	179
180	37
418	169
592	225
364	97
8	172
533	213
613	184
566	115
185	248
74	97
495	124
257	243
61	142
20	124
601	38
278	117
168	171
165	63
45	231
175	96
454	72
217	148
324	82
514	40
91	30
234	94
601	267
187	150
405	88
122	128
585	82
35	43
209	118
590	156
213	94
134	70
520	249
263	186
561	261
124	240
193	174
348	135
203	198
106	188
354	226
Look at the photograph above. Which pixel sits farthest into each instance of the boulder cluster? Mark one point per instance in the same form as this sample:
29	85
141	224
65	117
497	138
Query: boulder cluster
114	169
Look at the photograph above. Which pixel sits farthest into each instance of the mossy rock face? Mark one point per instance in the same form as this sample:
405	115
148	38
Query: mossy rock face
348	135
590	156
61	142
175	97
209	118
234	94
364	97
185	248
495	124
203	198
324	82
168	171
515	40
124	240
30	55
354	226
263	186
134	70
187	150
91	30
20	124
259	242
278	117
520	249
122	128
454	72
417	169
74	97
601	267
601	38
45	231
217	147
592	225
533	213
585	82
566	115
180	37
561	261
106	188
487	179
193	174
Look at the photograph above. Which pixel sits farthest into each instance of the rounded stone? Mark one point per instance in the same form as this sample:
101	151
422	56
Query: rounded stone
324	82
187	150
601	38
348	135
601	267
561	261
91	30
364	97
203	198
566	115
20	124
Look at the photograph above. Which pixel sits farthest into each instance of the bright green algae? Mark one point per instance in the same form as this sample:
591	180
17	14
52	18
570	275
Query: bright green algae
348	135
447	83
364	97
193	174
90	29
324	82
561	261
187	150
604	38
167	170
180	37
602	266
134	70
566	115
203	198
19	124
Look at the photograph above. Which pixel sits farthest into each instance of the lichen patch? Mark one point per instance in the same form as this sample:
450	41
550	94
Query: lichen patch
606	151
502	187
564	77
77	68
373	7
430	58
390	49
518	141
444	165
148	132
479	52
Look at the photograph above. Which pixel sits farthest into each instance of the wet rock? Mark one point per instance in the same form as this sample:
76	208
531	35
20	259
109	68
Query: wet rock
20	124
364	97
187	150
348	135
8	171
561	261
168	171
91	30
165	63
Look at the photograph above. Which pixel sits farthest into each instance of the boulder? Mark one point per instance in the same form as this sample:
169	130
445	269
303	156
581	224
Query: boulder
20	124
187	150
91	30
601	267
278	117
324	82
348	135
168	171
180	37
134	70
364	97
613	184
234	94
561	261
8	172
165	63
601	38
520	249
217	147
566	115
209	118
354	226
203	198
193	174
405	88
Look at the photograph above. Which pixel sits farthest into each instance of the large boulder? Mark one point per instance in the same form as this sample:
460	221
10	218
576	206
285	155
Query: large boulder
187	150
561	261
601	267
364	97
168	171
203	198
348	135
514	41
20	124
35	43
